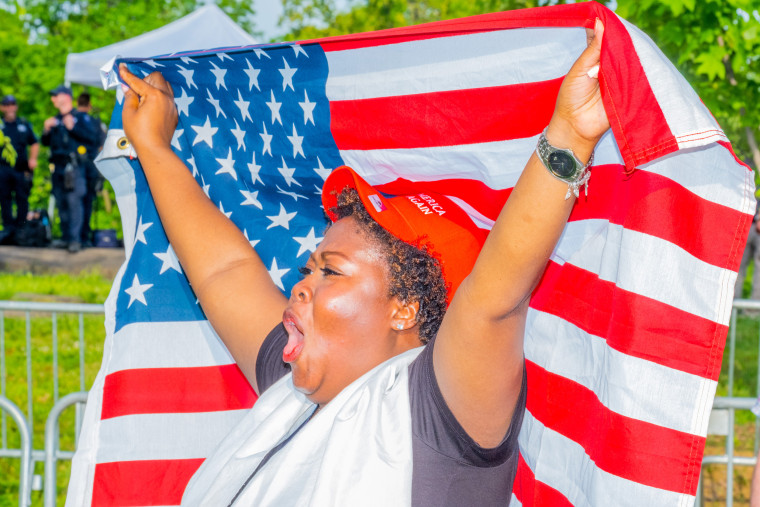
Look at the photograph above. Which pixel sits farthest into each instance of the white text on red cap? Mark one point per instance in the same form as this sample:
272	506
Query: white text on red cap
426	204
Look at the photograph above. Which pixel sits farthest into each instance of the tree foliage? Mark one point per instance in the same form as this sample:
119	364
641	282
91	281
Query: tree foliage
716	45
7	151
319	18
37	35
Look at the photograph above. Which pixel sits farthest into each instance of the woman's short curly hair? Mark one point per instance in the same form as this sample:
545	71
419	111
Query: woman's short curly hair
414	274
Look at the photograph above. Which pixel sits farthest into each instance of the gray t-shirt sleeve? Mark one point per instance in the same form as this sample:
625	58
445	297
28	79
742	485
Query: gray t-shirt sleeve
269	364
450	468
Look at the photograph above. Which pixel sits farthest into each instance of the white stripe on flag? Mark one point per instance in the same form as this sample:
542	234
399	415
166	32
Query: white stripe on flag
478	218
507	57
689	120
676	278
566	467
182	344
713	175
497	164
164	436
660	395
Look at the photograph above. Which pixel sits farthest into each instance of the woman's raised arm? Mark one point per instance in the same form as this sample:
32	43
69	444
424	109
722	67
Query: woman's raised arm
229	279
478	355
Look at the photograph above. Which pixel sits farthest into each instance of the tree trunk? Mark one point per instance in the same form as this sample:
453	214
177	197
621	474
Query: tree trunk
753	147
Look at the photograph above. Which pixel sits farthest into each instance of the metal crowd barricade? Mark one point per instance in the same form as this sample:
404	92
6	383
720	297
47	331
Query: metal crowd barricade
27	312
52	452
725	409
723	417
24	453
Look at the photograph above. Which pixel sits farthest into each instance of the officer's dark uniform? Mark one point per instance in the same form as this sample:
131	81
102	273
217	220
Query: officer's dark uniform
68	152
16	181
93	178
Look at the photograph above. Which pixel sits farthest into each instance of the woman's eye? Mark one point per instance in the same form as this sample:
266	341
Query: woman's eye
329	272
304	271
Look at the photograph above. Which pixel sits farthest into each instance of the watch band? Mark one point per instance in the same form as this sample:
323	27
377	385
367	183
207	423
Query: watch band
564	165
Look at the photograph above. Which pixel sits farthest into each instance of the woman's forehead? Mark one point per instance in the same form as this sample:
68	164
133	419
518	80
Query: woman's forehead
347	238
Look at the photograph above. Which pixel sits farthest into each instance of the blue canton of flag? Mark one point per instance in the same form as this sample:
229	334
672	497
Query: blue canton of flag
254	130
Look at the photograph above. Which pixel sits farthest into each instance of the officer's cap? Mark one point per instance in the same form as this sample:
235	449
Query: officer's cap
61	89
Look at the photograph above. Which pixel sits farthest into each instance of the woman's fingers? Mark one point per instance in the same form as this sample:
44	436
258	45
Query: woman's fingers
141	88
131	98
149	114
591	55
579	112
136	85
594	35
156	80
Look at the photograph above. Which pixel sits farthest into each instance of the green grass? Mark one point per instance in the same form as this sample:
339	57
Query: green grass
89	287
745	362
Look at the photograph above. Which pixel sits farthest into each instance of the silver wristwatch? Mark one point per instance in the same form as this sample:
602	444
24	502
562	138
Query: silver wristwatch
564	165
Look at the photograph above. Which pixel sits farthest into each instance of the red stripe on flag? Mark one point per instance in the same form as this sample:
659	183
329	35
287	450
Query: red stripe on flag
658	206
644	202
531	492
739	161
578	15
155	482
176	390
449	118
630	323
635	450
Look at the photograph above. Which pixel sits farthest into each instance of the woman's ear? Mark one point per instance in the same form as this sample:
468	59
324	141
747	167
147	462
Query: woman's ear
405	315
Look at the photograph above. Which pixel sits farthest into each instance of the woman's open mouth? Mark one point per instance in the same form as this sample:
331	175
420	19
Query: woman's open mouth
295	338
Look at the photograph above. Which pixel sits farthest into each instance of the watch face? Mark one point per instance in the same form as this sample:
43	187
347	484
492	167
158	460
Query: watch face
562	164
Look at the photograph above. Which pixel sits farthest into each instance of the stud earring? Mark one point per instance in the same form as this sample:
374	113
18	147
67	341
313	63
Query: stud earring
400	326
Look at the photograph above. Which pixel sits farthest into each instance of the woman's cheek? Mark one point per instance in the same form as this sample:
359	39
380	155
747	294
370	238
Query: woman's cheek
339	312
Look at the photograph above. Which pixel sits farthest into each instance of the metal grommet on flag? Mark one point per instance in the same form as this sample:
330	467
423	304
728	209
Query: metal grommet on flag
122	143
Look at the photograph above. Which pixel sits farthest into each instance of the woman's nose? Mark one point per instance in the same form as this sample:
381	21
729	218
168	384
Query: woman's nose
301	292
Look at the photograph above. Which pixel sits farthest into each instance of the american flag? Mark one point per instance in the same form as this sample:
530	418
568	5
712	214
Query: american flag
625	332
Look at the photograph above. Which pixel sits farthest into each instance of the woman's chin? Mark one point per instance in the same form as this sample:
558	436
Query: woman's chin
301	384
310	391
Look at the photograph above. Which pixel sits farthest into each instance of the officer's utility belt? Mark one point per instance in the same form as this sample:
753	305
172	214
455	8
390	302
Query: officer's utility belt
72	163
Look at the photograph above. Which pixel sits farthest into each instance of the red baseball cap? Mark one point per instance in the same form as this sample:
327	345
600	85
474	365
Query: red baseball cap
424	218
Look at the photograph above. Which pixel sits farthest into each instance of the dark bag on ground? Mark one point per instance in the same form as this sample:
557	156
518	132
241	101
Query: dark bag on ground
105	238
35	231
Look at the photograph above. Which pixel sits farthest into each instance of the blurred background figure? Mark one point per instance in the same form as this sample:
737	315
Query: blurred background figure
93	178
751	255
16	180
69	134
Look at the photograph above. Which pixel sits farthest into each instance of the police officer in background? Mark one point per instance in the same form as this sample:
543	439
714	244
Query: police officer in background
93	177
69	134
16	181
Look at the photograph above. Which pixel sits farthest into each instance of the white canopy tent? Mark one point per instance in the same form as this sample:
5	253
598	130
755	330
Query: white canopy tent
206	27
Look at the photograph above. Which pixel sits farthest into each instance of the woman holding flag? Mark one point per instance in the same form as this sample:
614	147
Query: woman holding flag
353	409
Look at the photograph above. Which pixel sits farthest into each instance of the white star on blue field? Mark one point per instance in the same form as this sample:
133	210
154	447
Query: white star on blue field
254	131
